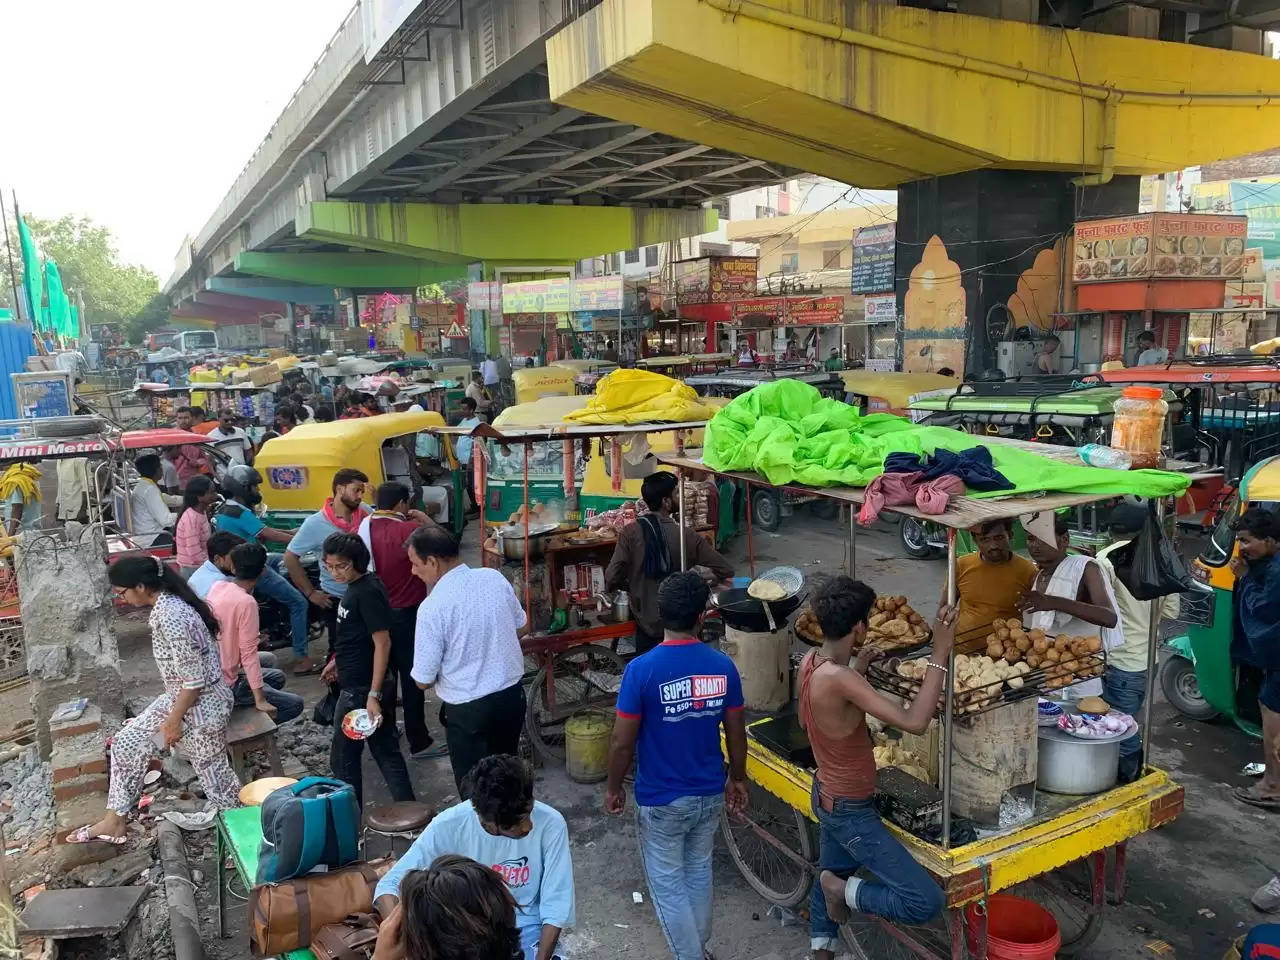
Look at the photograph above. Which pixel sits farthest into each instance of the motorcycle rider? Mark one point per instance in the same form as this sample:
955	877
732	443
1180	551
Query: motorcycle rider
236	515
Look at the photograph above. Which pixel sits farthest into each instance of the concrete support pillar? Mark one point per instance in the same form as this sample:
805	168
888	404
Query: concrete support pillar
68	622
967	243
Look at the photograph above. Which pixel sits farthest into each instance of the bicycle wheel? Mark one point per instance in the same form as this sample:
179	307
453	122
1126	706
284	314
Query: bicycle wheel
870	938
770	872
1067	893
586	677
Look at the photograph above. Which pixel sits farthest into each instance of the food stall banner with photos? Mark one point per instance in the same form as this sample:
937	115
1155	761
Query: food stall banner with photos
1160	245
715	279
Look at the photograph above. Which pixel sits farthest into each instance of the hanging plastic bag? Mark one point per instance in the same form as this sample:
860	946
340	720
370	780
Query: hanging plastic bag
1149	566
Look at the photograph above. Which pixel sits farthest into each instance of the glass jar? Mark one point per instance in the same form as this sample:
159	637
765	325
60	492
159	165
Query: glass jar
1138	427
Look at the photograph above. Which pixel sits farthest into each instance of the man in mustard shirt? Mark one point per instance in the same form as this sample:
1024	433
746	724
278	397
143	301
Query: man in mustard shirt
991	581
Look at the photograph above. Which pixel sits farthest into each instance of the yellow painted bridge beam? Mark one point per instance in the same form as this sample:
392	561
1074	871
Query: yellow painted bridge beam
877	95
464	233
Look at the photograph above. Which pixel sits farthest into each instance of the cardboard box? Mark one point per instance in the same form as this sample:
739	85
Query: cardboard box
597	579
265	375
571	579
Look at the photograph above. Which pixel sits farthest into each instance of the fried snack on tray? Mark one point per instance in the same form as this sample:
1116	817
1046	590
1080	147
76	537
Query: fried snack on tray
893	625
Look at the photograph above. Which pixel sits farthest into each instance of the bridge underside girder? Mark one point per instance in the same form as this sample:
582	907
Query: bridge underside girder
878	95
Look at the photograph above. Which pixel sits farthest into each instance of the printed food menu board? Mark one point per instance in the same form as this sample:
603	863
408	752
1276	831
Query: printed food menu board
1160	245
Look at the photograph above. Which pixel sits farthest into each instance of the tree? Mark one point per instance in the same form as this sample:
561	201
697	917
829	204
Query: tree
85	252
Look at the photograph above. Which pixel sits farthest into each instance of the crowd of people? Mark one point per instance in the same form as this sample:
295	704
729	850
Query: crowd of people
492	876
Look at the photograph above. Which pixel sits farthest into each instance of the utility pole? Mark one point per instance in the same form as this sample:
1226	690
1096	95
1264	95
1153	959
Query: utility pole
8	246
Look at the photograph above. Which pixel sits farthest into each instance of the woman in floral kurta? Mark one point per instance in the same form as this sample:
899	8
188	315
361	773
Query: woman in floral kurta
191	713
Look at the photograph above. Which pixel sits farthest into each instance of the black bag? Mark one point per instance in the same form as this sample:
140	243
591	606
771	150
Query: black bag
327	707
1149	566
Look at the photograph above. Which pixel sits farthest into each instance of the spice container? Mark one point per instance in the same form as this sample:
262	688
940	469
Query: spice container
1138	426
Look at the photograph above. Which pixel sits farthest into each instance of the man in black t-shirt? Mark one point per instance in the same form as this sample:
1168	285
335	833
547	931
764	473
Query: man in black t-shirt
361	652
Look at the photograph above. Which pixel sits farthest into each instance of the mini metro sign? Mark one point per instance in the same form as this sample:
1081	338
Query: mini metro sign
1162	246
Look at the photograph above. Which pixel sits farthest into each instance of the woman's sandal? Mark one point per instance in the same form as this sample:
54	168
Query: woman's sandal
82	836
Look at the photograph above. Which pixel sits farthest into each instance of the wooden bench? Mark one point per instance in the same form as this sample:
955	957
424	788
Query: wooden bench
249	730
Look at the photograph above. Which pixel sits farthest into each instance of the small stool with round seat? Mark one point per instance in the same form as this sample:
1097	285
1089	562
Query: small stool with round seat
397	821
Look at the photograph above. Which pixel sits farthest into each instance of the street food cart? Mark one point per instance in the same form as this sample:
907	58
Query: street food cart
1055	853
555	549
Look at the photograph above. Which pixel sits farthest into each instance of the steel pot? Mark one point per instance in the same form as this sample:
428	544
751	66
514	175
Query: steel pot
1076	766
511	540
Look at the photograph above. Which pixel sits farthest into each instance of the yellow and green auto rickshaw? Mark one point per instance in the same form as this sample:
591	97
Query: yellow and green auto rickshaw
297	469
1197	674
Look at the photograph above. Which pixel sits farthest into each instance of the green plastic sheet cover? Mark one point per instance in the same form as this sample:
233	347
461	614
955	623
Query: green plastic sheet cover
32	278
59	313
787	432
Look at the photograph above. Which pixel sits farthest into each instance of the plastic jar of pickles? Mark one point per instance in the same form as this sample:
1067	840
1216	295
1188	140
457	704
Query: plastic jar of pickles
1138	427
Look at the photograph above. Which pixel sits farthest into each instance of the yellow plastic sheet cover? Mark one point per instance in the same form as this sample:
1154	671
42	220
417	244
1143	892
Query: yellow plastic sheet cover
638	396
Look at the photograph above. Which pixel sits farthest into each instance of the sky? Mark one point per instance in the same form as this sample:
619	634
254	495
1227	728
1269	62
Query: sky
151	108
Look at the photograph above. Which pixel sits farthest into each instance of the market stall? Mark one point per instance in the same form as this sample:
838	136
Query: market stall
554	535
1058	840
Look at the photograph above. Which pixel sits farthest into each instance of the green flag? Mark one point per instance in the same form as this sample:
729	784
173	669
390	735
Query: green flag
32	279
59	314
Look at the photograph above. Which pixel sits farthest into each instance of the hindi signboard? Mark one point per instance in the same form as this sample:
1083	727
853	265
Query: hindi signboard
484	295
873	258
1160	245
715	279
552	295
881	309
597	293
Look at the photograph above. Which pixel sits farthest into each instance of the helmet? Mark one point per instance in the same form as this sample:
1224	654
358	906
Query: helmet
241	483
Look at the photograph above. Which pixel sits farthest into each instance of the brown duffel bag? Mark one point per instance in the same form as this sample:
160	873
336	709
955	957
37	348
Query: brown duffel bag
352	939
287	916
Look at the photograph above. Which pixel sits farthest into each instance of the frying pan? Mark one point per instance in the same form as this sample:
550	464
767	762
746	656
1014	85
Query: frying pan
744	612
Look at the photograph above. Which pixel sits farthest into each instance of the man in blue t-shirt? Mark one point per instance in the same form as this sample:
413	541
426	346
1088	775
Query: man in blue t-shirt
672	702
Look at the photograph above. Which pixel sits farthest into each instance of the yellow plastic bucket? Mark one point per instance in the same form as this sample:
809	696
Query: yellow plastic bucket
586	745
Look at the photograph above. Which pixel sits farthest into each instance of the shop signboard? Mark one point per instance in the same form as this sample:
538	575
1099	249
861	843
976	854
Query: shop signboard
715	279
597	293
873	258
1262	201
484	295
552	295
1241	294
815	311
881	309
773	308
1253	266
1160	246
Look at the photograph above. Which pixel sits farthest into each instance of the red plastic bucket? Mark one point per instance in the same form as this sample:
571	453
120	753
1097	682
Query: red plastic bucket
1017	929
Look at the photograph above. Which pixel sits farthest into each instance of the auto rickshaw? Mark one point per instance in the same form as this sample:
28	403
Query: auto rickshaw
1197	674
534	383
298	468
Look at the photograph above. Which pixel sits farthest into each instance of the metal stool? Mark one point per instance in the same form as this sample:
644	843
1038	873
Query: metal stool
397	821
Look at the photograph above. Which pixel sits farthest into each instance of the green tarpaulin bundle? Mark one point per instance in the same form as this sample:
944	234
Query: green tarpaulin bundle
787	432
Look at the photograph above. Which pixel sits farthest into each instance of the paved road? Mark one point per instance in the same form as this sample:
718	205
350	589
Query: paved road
1189	882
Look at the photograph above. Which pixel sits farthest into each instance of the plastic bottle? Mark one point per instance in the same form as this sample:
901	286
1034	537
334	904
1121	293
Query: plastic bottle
1138	425
1100	455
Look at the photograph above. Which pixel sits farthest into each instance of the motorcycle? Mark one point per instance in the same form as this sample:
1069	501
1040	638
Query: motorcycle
276	629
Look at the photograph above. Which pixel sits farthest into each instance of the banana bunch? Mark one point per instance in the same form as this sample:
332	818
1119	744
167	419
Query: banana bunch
7	543
23	478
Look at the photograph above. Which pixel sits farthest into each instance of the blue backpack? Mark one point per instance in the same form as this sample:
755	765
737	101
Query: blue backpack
312	822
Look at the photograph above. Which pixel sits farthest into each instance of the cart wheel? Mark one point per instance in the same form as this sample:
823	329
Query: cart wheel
1182	689
766	510
870	938
1067	894
586	677
771	873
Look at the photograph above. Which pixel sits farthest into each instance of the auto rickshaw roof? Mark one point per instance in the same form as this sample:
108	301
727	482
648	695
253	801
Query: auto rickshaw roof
1193	373
1262	481
896	389
335	443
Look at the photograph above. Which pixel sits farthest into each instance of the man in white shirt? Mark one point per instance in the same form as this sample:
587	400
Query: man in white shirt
230	439
467	646
152	520
1124	682
489	370
462	450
